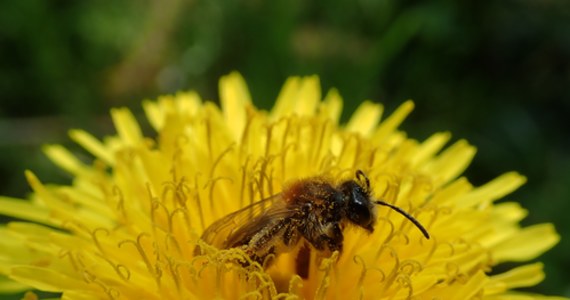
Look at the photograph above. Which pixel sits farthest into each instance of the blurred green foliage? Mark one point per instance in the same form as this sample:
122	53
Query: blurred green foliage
494	72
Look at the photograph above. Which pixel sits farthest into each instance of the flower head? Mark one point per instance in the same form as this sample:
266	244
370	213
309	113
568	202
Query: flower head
129	225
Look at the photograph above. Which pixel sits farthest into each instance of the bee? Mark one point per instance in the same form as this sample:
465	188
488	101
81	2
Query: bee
310	213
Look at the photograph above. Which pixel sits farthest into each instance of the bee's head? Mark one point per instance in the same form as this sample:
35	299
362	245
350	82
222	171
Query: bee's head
360	210
360	207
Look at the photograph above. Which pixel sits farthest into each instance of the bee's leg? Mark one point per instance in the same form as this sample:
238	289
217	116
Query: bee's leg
260	246
290	233
303	261
335	239
261	259
331	241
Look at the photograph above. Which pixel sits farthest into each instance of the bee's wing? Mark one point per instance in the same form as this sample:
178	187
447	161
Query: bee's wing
238	227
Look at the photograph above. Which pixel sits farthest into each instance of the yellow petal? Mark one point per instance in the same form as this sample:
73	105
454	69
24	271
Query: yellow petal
10	286
91	144
234	99
365	118
523	276
65	160
285	103
494	190
298	96
510	211
309	96
127	127
389	125
451	162
46	279
80	295
183	103
527	244
430	147
59	208
332	106
503	220
24	210
154	114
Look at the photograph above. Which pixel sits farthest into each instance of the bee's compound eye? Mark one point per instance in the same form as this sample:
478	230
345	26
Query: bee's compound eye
359	208
359	211
360	214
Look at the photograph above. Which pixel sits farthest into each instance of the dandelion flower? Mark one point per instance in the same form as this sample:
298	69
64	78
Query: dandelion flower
128	225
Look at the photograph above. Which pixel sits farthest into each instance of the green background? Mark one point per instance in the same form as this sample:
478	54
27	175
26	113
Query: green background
496	73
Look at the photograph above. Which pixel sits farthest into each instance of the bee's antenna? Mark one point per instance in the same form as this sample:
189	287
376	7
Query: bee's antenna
407	215
363	178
